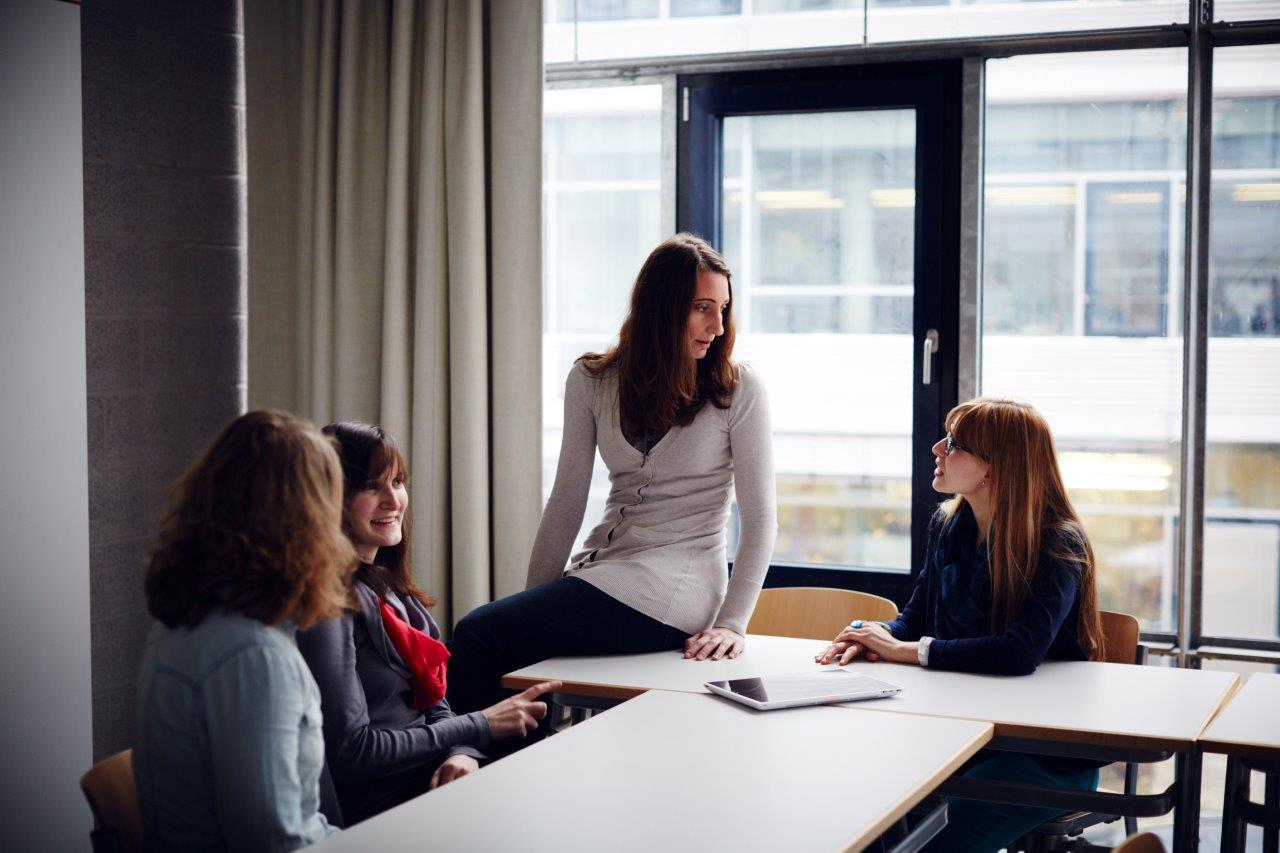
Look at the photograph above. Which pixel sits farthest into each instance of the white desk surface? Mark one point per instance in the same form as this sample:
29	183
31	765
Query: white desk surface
1144	707
1249	725
676	771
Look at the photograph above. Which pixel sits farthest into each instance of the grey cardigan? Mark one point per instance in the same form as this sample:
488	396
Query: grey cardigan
660	548
370	729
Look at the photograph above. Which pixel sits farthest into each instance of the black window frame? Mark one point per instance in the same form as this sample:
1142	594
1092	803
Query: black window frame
934	90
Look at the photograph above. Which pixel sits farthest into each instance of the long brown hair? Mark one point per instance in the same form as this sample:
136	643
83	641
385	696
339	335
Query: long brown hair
659	384
367	452
254	526
1030	509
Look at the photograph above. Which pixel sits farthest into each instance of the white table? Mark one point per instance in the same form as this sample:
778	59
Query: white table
1104	704
674	771
1247	731
1080	708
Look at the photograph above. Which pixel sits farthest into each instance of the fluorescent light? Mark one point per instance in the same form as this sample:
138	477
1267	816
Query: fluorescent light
1255	192
1133	198
798	200
1120	472
894	197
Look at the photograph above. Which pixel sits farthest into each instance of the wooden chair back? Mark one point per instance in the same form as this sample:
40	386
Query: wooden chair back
1143	842
1121	637
113	797
815	612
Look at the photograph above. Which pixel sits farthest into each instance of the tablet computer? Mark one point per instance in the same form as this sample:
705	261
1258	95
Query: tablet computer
816	687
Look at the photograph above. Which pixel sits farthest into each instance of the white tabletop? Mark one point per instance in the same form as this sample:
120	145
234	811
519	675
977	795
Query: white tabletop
1250	723
1146	707
676	771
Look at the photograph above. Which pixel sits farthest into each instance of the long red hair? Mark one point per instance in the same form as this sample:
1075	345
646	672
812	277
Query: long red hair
1030	508
659	384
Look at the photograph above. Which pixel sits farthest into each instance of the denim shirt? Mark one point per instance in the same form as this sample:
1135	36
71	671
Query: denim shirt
230	747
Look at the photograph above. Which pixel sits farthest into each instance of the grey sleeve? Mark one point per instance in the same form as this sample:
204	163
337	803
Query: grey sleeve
255	705
751	444
355	749
562	517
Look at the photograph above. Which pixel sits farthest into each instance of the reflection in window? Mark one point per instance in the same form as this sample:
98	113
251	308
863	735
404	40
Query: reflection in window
1030	239
1126	266
1244	262
690	8
605	10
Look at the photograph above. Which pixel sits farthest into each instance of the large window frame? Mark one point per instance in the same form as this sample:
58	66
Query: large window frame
1188	643
932	90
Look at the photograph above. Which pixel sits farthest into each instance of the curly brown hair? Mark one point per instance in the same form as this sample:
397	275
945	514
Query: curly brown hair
254	526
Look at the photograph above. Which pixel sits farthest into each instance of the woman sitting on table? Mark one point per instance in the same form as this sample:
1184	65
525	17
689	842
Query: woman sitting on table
1008	580
381	667
679	426
229	753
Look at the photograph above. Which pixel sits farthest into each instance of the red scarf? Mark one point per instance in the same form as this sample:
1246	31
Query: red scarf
424	655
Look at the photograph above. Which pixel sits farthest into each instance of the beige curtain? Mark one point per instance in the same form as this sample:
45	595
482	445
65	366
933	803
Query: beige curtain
394	264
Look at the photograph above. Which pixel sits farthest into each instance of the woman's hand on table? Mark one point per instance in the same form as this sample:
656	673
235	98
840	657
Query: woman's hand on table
714	644
872	641
519	714
454	767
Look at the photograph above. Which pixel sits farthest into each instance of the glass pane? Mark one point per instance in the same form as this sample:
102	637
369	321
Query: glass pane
1081	298
911	20
584	30
1242	466
818	228
601	179
1246	10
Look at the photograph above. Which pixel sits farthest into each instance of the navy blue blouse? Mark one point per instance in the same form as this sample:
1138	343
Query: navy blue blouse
951	602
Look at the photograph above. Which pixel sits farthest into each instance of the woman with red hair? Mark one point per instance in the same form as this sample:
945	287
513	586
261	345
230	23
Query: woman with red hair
1009	579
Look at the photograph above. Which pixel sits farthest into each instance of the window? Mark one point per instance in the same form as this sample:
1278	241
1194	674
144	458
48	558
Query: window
602	155
818	223
585	30
1242	466
1082	248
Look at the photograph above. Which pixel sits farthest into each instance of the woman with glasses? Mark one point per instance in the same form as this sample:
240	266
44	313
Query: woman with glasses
1008	580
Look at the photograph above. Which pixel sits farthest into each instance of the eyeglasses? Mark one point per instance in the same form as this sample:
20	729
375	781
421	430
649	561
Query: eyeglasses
953	446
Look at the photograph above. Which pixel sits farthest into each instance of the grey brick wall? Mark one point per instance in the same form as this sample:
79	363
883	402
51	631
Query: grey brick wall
164	198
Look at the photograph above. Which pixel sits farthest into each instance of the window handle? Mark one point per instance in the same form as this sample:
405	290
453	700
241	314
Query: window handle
928	348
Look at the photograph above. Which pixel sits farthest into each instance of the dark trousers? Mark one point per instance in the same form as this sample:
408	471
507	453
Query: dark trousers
567	616
363	800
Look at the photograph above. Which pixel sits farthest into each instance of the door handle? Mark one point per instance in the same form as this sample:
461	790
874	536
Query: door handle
928	348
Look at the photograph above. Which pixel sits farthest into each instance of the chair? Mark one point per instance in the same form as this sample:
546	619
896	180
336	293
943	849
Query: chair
815	612
1144	842
113	798
1120	644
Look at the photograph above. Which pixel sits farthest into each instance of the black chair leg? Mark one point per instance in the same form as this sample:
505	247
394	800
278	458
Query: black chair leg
1236	790
1271	837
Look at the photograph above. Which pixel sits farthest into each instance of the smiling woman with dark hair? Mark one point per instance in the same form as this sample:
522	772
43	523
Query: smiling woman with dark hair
382	670
681	428
229	753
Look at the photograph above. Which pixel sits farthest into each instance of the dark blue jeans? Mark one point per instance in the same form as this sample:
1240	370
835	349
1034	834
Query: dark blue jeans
974	826
567	616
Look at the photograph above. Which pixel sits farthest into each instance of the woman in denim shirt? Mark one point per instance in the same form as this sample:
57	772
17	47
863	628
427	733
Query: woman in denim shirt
230	751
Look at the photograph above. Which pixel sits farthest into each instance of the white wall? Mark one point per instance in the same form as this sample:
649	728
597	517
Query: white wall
45	722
